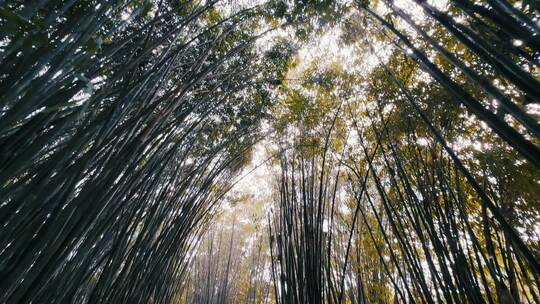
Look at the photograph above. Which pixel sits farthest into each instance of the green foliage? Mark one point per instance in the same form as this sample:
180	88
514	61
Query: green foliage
306	16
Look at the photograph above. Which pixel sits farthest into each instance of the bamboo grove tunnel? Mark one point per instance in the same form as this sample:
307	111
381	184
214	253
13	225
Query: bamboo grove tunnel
269	151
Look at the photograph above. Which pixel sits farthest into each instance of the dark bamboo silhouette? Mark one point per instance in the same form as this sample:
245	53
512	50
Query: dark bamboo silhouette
120	131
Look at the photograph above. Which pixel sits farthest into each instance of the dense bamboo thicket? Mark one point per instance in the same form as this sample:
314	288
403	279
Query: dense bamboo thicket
405	156
413	177
122	123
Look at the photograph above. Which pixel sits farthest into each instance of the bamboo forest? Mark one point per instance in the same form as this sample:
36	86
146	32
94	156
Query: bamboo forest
269	151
